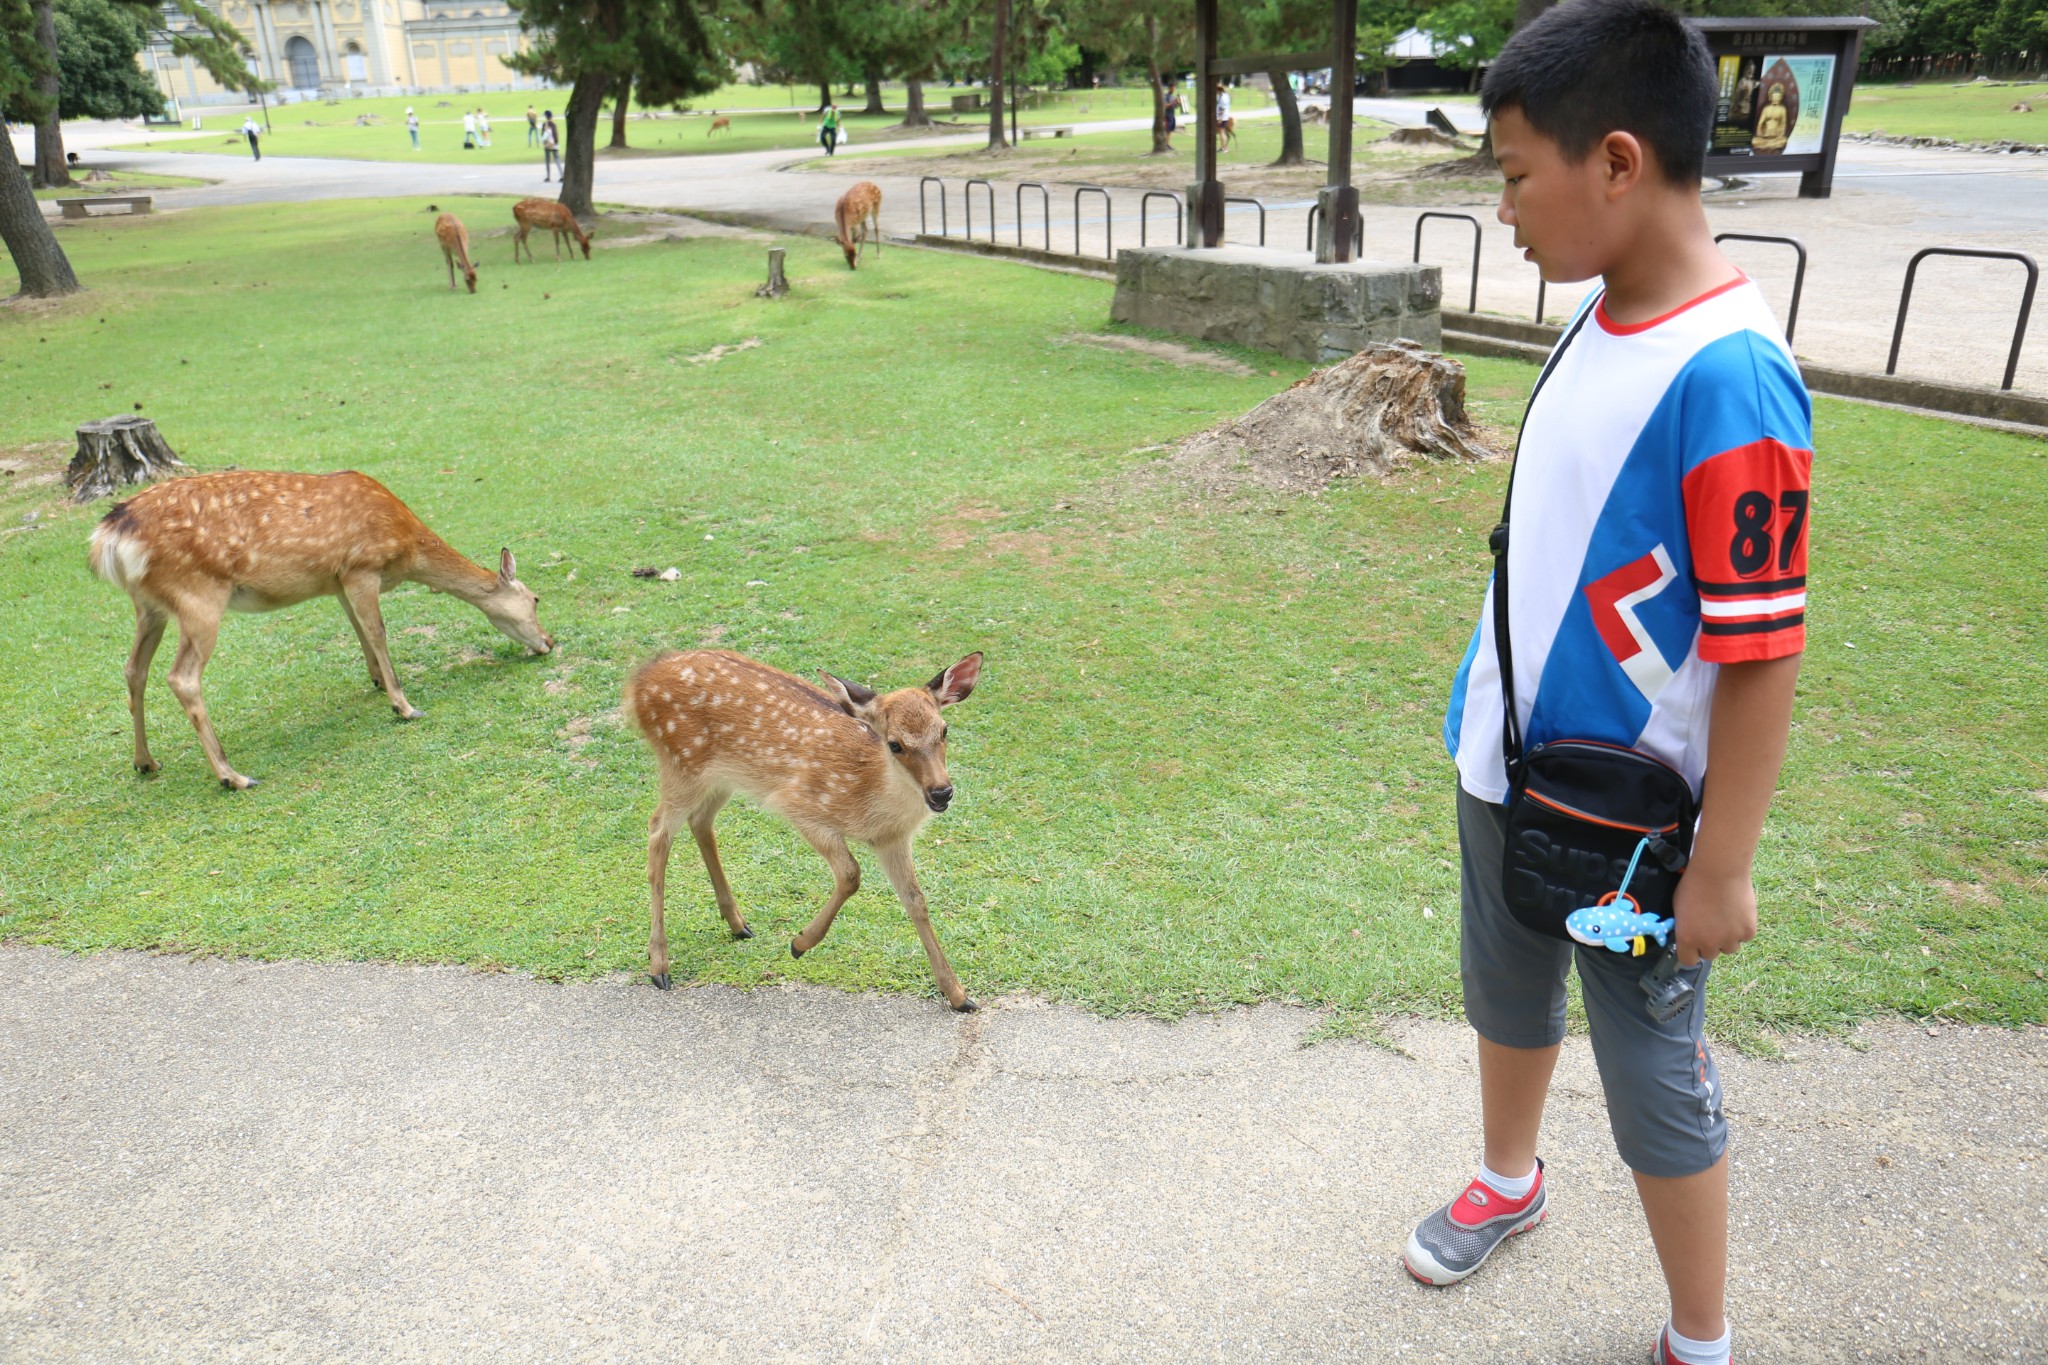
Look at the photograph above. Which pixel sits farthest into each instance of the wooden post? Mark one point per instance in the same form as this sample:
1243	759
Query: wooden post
1338	222
1205	196
777	286
117	451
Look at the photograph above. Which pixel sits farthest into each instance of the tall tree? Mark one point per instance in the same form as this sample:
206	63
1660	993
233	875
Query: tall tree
1159	33
24	62
663	44
999	51
98	43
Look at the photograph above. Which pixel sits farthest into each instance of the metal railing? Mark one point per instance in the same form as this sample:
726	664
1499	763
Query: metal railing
2019	333
924	227
1045	209
1357	235
967	198
1798	271
1108	220
1473	305
1179	220
1230	199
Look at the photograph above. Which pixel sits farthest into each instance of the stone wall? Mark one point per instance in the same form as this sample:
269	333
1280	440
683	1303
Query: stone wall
1278	300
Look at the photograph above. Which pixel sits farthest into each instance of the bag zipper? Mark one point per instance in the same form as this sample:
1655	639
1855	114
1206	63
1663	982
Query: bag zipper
1591	819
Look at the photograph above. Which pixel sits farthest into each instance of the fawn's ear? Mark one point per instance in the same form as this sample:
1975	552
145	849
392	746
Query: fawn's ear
508	567
955	683
855	700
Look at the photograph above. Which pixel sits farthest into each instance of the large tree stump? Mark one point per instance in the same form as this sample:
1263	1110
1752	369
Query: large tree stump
777	286
115	452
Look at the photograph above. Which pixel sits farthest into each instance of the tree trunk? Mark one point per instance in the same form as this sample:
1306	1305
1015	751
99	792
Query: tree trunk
998	51
1290	121
115	452
778	283
914	115
824	94
620	103
873	77
586	101
1162	144
44	271
51	168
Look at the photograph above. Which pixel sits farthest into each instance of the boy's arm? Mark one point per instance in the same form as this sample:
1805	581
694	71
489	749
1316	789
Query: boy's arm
1751	719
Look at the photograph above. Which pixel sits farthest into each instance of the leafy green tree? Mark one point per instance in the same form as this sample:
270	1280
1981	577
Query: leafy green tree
1158	33
97	45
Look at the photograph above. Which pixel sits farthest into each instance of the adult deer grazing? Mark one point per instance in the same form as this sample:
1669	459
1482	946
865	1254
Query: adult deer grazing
720	122
556	218
197	547
838	762
857	208
454	239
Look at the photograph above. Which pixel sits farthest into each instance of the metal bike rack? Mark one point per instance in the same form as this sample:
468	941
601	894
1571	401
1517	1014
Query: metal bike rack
924	227
1357	236
967	197
1179	223
1045	206
1473	305
1108	220
2019	333
1230	199
1798	273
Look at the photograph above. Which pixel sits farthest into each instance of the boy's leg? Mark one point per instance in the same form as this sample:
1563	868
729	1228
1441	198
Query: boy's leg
1513	1083
1689	1223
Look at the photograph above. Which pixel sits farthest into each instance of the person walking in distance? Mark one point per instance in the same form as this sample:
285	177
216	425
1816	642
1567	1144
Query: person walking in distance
252	132
468	130
532	127
550	143
828	129
483	128
412	126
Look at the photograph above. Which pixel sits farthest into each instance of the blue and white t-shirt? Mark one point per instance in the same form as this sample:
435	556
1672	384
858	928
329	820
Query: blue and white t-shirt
1659	522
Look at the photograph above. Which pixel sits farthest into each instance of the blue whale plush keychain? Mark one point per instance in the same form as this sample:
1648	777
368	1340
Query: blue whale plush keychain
1617	923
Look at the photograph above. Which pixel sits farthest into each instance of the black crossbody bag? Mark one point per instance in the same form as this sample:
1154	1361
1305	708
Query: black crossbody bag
1579	809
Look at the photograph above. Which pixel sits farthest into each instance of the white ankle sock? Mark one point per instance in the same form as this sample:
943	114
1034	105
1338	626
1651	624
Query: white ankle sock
1691	1352
1504	1186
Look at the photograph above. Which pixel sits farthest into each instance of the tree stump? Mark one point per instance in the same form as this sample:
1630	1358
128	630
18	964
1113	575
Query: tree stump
777	286
115	452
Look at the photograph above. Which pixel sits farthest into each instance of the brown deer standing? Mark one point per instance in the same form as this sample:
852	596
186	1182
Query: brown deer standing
837	762
197	547
857	208
454	238
720	122
547	213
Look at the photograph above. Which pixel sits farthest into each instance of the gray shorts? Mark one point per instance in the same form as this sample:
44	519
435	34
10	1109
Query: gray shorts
1663	1090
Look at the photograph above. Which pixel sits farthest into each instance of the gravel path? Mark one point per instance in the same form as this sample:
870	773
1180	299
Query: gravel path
340	1162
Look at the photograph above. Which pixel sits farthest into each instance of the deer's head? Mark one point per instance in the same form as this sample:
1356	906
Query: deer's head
469	276
513	607
908	721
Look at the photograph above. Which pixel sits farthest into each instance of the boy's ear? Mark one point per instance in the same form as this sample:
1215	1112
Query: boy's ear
1623	161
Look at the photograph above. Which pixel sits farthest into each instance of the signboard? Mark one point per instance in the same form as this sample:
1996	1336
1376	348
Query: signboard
1783	86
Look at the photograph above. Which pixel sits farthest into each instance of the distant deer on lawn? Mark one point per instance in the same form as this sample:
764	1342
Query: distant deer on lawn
720	122
857	208
838	762
195	548
556	218
454	239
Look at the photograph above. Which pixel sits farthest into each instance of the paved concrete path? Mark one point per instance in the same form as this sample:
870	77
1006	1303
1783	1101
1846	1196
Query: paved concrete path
209	1160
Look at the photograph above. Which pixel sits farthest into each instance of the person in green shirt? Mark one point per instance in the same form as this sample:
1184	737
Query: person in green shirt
828	129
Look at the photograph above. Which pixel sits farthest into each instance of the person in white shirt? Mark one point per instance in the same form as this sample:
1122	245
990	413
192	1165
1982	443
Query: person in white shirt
469	132
251	131
483	129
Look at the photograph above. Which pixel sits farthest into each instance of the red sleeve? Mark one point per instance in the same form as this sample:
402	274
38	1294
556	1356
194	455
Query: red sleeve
1745	514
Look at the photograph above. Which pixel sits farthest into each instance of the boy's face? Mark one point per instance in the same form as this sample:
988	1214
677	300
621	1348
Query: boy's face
1563	213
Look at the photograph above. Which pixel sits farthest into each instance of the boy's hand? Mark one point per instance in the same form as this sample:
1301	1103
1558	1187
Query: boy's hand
1716	914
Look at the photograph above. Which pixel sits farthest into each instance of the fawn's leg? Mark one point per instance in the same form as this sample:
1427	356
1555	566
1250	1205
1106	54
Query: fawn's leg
845	881
895	860
451	266
360	591
149	632
701	817
198	629
661	833
348	609
519	240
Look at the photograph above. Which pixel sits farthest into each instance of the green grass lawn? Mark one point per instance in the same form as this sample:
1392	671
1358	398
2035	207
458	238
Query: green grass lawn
1968	113
1203	764
120	182
331	130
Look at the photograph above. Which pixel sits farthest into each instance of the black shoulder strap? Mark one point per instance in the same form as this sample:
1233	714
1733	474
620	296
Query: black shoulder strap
1511	728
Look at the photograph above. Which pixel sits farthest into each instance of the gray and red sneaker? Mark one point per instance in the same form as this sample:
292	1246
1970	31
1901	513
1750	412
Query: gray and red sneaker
1456	1240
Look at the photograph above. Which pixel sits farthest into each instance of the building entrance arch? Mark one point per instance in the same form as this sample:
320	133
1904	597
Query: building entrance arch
305	64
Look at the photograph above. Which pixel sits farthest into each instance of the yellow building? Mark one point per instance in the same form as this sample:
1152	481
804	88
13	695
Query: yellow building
342	47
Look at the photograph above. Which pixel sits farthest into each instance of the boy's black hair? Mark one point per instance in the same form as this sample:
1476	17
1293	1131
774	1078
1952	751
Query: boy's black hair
1588	68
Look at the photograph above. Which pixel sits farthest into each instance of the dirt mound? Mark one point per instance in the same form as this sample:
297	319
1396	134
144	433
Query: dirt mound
1423	137
1377	413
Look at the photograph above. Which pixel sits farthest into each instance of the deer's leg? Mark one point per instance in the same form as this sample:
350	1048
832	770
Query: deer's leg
149	632
701	817
519	240
198	629
360	591
451	266
661	834
348	609
895	860
845	881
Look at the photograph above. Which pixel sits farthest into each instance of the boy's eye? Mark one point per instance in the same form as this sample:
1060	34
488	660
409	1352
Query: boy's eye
894	747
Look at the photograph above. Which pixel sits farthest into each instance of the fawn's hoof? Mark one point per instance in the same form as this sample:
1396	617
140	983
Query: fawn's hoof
238	783
148	769
794	950
743	932
660	982
410	713
966	1005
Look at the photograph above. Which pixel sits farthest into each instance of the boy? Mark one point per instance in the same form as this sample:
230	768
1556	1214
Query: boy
1656	600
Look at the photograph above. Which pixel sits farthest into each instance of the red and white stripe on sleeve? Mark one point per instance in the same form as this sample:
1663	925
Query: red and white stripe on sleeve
1746	513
